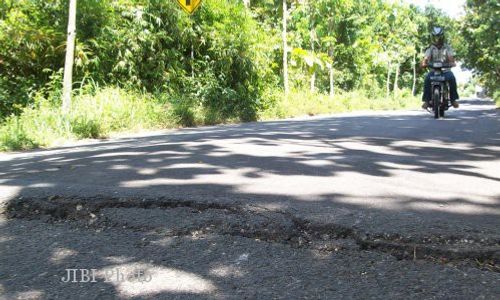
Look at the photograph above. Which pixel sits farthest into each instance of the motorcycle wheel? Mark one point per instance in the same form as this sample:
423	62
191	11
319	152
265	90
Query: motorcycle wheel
436	104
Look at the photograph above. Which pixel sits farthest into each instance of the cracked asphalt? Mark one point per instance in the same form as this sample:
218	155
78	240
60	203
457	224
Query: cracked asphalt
366	205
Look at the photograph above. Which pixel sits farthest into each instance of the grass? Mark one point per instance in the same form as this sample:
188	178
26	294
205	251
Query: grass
302	104
111	110
93	115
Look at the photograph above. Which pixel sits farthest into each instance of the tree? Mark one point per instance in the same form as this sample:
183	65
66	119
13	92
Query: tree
480	32
70	53
285	48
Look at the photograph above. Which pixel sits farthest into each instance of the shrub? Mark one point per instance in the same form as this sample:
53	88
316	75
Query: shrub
13	136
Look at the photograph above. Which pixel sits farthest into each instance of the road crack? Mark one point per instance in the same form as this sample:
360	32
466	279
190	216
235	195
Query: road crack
178	218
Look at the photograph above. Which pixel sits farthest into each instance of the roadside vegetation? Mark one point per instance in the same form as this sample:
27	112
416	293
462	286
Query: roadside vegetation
145	64
93	115
112	110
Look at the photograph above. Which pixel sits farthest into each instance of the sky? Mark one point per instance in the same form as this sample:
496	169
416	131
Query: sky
455	9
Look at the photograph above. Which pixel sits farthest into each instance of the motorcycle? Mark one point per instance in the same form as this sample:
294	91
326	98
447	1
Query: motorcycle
440	90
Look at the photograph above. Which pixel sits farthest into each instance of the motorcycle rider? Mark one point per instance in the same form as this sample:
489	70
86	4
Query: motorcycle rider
439	51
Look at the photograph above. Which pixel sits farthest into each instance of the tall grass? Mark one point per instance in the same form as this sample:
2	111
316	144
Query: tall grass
304	103
93	115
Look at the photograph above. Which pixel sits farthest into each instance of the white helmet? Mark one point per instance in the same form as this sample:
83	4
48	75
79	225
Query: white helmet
437	31
437	35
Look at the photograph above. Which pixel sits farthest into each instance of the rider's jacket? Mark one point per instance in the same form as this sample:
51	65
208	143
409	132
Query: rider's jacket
443	54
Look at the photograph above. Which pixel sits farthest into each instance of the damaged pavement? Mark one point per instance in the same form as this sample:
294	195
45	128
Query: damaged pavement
227	253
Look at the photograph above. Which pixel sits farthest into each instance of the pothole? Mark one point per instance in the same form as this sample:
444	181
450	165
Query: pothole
177	218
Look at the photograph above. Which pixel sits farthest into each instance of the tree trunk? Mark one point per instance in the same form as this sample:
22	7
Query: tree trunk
396	78
192	59
246	3
70	55
332	92
388	81
285	48
414	88
330	53
313	75
313	82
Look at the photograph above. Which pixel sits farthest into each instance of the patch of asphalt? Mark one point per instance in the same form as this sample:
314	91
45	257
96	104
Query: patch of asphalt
179	218
36	254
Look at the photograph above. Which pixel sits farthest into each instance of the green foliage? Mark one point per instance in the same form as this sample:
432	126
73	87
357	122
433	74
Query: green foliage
301	103
480	32
14	137
158	48
32	45
362	40
151	45
147	64
234	76
496	97
93	115
142	45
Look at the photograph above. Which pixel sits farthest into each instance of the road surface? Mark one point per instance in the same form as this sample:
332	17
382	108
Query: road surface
385	204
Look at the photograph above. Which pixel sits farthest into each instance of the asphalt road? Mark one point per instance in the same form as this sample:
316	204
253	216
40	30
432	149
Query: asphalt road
380	205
